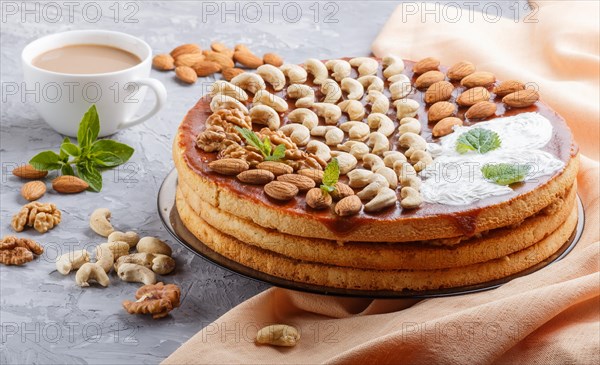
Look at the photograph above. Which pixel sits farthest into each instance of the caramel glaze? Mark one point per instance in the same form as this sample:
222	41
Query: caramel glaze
561	145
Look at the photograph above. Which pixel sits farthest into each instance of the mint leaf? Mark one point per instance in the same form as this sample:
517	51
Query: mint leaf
89	127
107	159
90	174
70	149
278	153
265	147
505	173
46	161
106	149
63	156
478	139
251	138
331	176
66	169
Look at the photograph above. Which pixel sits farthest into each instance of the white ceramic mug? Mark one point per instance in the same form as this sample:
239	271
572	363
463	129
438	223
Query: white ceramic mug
62	99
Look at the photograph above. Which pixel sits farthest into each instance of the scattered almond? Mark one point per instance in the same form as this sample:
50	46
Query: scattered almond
272	59
315	175
247	59
478	78
67	184
221	59
186	74
473	96
228	166
280	190
277	168
508	87
163	62
189	59
481	110
440	110
426	64
521	98
33	190
28	172
429	78
256	176
242	48
303	183
185	49
318	199
460	70
230	73
439	91
341	191
206	68
350	205
221	48
444	126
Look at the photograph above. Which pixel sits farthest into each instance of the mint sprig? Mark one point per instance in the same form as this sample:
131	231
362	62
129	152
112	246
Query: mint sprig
478	139
331	175
265	147
89	156
505	173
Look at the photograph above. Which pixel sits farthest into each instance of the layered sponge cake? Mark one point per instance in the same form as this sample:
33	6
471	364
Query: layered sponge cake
377	174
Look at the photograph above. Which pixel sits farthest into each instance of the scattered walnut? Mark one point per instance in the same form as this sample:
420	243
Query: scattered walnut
156	299
17	251
10	242
15	256
41	216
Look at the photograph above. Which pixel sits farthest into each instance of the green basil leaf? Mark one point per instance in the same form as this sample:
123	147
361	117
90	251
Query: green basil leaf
45	161
106	159
89	127
63	155
478	139
267	146
70	149
331	174
100	148
66	169
90	174
278	153
505	173
252	139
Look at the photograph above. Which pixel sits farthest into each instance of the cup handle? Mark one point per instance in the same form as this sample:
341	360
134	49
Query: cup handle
161	99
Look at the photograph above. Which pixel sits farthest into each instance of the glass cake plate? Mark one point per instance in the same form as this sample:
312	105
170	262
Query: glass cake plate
170	218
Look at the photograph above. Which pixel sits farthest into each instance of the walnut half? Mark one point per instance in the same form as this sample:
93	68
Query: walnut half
17	251
156	299
41	216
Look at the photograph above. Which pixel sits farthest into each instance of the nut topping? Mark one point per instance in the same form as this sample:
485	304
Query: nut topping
280	190
303	183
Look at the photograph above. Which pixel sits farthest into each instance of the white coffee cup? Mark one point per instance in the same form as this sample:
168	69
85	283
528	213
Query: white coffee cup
62	99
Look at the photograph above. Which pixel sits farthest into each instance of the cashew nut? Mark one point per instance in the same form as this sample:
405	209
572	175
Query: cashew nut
346	161
304	94
366	65
359	178
163	264
405	172
356	130
376	183
413	142
372	161
420	160
226	88
382	122
411	181
340	68
390	157
354	88
393	66
333	135
410	198
153	245
131	238
296	74
100	222
409	124
317	69
264	114
140	258
379	102
332	91
400	89
298	133
88	272
330	112
354	109
263	97
272	75
371	82
385	198
379	142
397	78
406	108
104	257
319	149
118	248
249	81
71	260
355	148
136	274
389	175
306	117
221	101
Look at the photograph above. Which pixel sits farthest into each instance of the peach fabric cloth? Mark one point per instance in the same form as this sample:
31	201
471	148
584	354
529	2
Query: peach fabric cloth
549	317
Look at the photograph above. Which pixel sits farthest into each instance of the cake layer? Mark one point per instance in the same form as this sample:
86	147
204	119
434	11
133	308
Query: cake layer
365	279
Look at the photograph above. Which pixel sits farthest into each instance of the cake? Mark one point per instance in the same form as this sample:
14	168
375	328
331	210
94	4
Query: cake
377	174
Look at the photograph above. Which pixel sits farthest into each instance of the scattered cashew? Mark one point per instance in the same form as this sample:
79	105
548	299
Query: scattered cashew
88	272
304	94
411	181
278	335
379	102
372	161
397	78
249	81
379	142
359	178
221	101
131	238
409	124
333	135
100	222
356	130
163	264
389	175
340	68
330	112
410	198
354	88
420	160
405	172
264	114
354	109
390	157
393	66
382	122
406	108
272	75
355	148
139	258
400	89
104	257
71	260
366	65
346	161
263	97
376	183
296	74
317	69
306	117
226	88
319	149
385	198
413	142
298	133
332	91
136	274
153	245
371	82
118	248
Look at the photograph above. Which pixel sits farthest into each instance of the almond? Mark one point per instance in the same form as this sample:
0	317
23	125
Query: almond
350	205
256	176
303	183
242	48
66	184
221	48
280	190
318	199
185	49
426	64
445	126
33	190
460	70
481	110
272	59
439	91
479	78
206	68
189	59
247	59
228	166
429	78
277	168
508	87
521	98
341	191
315	175
230	73
473	96
163	62
440	110
221	59
28	172
186	74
